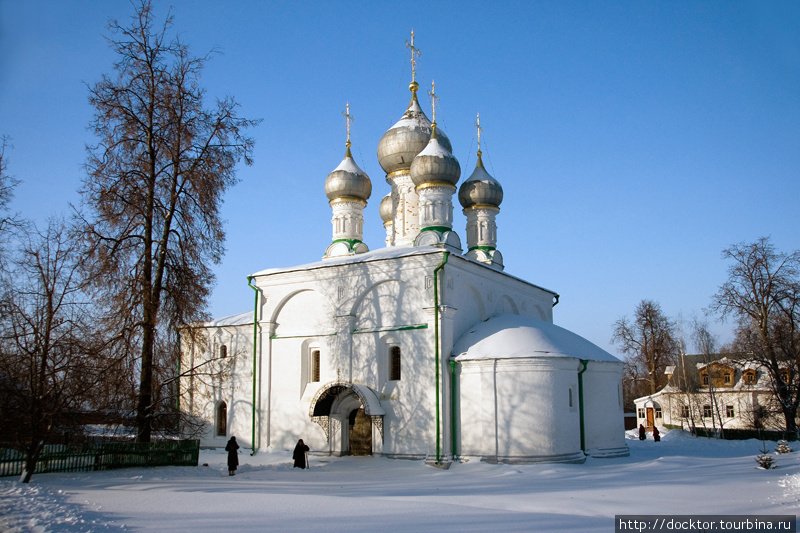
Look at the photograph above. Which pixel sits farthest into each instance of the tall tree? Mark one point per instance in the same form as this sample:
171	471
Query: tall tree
650	344
50	358
7	184
154	188
763	293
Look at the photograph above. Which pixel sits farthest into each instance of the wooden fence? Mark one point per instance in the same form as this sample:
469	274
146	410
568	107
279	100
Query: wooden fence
56	458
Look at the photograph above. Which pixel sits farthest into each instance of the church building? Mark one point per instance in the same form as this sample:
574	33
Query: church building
423	349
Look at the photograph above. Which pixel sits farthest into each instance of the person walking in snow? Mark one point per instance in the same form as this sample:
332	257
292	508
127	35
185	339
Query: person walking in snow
642	432
656	434
300	455
233	455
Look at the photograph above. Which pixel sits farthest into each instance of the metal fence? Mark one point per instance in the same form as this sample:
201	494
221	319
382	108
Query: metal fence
55	458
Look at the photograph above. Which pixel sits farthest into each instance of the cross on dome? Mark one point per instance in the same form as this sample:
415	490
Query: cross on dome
414	51
348	117
434	98
478	127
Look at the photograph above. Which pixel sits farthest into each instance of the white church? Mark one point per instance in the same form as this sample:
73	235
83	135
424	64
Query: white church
423	349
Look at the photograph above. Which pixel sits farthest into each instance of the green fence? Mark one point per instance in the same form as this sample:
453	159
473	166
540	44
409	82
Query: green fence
56	458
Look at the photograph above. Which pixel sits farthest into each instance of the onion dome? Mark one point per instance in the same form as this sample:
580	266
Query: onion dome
400	145
385	208
435	164
348	181
480	188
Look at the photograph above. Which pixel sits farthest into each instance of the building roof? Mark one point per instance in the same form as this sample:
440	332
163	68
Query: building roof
514	336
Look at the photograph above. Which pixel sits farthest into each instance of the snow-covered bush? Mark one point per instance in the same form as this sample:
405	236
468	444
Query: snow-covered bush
783	447
765	460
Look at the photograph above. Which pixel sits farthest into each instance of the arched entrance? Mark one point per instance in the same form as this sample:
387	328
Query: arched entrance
349	413
360	433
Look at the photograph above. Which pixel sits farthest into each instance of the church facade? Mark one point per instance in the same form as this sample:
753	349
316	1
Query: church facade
419	349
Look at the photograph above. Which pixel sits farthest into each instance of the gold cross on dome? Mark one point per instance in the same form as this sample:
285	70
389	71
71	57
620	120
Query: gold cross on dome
478	126
434	98
348	117
414	51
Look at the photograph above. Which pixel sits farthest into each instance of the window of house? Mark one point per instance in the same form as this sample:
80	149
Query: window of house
394	363
222	419
727	378
570	396
705	380
640	412
707	411
658	412
685	411
729	411
223	351
785	375
314	366
750	377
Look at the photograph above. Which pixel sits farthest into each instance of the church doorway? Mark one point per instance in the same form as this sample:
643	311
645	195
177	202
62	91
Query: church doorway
360	433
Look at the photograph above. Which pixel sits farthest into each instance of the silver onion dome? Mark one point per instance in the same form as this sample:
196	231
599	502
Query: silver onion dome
385	208
400	145
348	181
435	164
480	188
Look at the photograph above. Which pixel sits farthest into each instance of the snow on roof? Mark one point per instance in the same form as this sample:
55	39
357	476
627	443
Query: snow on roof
232	320
389	252
514	336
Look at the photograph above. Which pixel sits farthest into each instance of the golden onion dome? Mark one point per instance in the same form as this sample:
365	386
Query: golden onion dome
435	164
408	137
480	188
348	181
385	208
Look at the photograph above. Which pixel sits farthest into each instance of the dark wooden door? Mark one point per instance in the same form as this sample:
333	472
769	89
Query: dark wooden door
360	433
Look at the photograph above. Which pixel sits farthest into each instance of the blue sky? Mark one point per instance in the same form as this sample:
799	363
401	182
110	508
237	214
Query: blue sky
634	140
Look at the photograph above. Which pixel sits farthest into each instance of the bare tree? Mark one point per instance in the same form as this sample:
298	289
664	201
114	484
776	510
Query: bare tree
50	358
762	292
154	189
650	345
7	184
706	344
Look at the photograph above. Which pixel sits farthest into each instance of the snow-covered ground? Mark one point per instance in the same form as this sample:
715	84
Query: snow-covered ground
679	475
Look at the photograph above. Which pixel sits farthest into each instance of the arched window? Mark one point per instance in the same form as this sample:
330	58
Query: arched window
222	419
223	351
314	366
394	363
750	377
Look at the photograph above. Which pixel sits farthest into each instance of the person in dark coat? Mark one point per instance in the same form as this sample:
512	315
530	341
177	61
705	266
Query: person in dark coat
233	455
656	434
299	454
642	432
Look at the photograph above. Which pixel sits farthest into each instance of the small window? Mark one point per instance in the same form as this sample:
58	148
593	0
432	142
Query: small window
658	412
707	411
785	375
729	411
223	351
750	377
315	366
705	380
685	411
728	379
394	363
222	419
640	412
570	396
